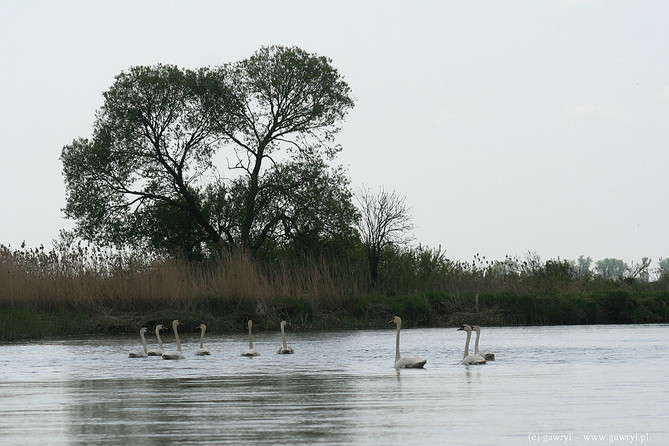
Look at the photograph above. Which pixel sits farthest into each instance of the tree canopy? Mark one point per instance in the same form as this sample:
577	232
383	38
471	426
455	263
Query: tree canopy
149	175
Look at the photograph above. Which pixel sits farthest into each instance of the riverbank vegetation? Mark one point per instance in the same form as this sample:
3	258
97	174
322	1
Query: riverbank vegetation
82	290
165	229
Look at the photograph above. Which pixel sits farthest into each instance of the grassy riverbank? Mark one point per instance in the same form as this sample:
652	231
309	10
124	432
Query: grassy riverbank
431	309
88	292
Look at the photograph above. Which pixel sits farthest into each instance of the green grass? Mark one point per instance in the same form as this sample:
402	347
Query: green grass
19	324
373	311
51	294
608	307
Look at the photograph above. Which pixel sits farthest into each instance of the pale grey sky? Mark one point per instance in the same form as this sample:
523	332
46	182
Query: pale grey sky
509	126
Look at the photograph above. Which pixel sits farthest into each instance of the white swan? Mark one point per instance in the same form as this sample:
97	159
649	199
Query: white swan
487	355
175	354
251	351
285	349
412	362
468	359
202	351
140	353
159	351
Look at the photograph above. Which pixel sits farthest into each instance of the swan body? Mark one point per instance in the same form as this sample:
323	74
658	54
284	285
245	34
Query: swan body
159	351
177	353
487	355
284	349
250	351
202	351
468	359
143	352
408	362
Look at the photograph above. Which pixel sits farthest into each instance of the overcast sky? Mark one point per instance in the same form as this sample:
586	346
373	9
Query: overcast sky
509	126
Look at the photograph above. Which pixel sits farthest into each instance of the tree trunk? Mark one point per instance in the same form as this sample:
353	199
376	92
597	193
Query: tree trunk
250	200
374	258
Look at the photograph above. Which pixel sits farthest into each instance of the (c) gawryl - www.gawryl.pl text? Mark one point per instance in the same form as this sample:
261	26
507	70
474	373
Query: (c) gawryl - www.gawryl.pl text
537	438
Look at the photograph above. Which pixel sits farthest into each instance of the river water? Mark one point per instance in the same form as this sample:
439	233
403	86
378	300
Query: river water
604	384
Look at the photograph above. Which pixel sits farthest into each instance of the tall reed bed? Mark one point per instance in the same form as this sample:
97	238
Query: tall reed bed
98	281
77	290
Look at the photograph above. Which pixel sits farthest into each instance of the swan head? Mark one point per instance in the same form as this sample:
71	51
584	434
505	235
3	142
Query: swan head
476	328
175	323
250	323
159	327
465	327
284	323
202	327
395	320
142	330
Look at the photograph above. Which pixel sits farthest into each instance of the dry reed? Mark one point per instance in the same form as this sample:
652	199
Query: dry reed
39	280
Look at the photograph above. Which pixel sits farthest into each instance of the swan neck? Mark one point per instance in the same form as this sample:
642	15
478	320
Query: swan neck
250	337
202	340
160	341
283	337
141	335
476	344
176	336
397	343
469	336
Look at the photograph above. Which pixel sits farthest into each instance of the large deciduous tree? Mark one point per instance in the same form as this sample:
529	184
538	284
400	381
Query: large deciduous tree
147	176
314	209
288	100
152	145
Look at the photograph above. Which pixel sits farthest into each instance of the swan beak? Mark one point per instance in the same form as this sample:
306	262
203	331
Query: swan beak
391	321
460	329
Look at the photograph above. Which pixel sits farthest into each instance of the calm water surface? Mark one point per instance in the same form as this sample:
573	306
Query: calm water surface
549	385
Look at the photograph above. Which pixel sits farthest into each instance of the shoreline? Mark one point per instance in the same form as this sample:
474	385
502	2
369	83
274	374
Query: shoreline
34	321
